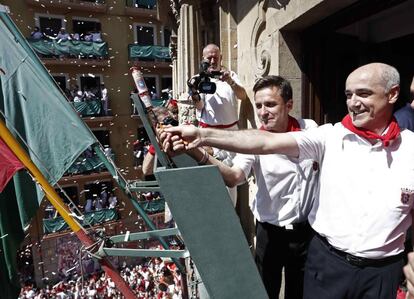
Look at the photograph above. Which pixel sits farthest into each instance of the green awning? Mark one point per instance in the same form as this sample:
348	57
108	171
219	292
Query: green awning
93	218
152	52
70	47
89	107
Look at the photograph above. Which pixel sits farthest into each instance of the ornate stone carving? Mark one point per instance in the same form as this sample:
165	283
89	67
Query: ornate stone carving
261	43
175	9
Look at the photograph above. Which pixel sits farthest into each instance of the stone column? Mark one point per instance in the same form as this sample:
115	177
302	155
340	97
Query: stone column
188	56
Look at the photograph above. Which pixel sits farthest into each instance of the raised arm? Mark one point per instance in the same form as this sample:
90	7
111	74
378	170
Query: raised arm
245	141
173	144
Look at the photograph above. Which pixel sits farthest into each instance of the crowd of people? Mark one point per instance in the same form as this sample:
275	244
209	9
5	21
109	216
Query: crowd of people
62	35
154	278
77	95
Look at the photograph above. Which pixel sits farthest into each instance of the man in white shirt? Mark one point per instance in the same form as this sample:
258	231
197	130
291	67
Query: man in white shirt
366	187
280	205
219	110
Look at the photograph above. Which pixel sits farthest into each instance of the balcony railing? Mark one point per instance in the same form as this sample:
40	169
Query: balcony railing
89	107
86	164
148	52
57	224
69	48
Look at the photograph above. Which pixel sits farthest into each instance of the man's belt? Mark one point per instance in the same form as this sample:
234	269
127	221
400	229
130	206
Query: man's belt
361	261
204	125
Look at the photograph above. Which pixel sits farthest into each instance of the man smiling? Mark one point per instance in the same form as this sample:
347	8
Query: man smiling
366	187
285	189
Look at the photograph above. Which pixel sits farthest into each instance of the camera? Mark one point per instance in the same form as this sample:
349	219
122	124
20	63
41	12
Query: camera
201	82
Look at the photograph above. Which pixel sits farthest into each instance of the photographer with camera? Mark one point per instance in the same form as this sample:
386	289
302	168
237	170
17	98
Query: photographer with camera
214	92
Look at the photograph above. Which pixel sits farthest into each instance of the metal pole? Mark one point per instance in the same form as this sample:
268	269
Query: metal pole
63	210
123	185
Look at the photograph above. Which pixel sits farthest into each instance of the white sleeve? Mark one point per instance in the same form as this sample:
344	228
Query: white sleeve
235	78
244	162
311	143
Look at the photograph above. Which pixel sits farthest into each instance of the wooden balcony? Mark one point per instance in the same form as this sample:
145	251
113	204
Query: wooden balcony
98	6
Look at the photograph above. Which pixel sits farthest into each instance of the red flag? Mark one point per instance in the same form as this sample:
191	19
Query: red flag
9	164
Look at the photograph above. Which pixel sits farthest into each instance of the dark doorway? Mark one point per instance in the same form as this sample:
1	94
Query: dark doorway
61	81
355	36
50	26
82	27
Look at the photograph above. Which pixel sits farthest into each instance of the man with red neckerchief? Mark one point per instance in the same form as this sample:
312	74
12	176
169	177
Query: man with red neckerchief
282	203
366	187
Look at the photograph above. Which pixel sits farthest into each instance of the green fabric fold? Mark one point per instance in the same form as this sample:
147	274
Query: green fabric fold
49	47
152	52
92	218
88	107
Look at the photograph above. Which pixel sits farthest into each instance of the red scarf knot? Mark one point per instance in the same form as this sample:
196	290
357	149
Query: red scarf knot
392	132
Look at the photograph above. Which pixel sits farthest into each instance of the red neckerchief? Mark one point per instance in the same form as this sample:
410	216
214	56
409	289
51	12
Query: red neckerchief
293	125
392	132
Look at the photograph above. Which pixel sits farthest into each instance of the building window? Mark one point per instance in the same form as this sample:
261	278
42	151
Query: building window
50	24
145	35
61	80
146	4
151	83
83	27
166	36
103	137
90	83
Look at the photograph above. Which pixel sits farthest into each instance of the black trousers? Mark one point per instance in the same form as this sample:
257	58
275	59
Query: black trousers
328	275
277	248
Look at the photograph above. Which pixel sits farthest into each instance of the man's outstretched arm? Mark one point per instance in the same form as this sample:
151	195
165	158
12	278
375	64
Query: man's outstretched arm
245	141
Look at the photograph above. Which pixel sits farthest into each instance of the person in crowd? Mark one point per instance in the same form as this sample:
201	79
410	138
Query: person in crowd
282	232
219	110
96	36
366	187
405	119
79	97
87	37
104	99
74	36
104	198
36	33
62	35
88	205
405	115
112	200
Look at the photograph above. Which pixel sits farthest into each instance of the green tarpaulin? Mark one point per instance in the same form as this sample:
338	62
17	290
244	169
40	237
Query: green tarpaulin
57	224
153	206
49	47
45	120
152	52
83	165
88	108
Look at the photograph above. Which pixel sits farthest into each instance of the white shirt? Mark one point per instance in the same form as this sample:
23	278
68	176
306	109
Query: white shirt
220	108
285	188
366	191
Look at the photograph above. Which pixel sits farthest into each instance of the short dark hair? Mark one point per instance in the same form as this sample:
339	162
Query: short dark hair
275	81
